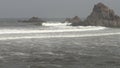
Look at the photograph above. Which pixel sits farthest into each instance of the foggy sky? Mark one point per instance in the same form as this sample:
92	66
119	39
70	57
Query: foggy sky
52	8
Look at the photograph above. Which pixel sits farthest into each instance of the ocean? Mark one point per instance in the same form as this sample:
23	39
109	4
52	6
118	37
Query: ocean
57	45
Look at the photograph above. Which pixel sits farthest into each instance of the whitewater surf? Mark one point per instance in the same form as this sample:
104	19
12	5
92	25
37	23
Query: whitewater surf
50	28
59	36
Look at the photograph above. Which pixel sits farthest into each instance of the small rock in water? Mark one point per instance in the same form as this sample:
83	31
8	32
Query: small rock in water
74	21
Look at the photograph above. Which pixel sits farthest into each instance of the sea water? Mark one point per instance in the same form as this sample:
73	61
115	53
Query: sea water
57	45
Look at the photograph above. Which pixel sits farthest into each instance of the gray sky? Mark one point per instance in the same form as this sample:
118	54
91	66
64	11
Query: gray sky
51	8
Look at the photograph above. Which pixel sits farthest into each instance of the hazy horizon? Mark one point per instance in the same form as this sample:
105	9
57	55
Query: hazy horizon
52	8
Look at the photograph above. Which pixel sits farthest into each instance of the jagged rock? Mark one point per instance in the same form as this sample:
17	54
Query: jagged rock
75	21
102	16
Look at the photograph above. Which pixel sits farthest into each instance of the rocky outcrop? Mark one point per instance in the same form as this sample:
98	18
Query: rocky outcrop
74	21
34	20
102	16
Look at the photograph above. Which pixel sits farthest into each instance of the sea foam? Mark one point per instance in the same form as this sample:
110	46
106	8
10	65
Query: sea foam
54	28
59	36
60	29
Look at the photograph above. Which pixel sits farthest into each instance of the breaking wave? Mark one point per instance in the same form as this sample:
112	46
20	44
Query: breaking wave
51	28
59	36
55	24
25	31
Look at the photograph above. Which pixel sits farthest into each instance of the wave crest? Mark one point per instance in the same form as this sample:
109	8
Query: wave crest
58	29
59	36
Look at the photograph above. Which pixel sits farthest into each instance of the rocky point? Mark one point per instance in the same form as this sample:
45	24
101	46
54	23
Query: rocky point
102	15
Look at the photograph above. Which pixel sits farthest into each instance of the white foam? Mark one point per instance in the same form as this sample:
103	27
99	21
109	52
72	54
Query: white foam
55	24
67	29
59	36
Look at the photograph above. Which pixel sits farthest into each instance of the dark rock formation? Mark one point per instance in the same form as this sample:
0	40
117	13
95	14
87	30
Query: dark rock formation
34	19
75	21
102	16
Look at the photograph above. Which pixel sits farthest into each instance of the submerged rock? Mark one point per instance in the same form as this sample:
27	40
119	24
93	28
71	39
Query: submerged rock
102	15
75	21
